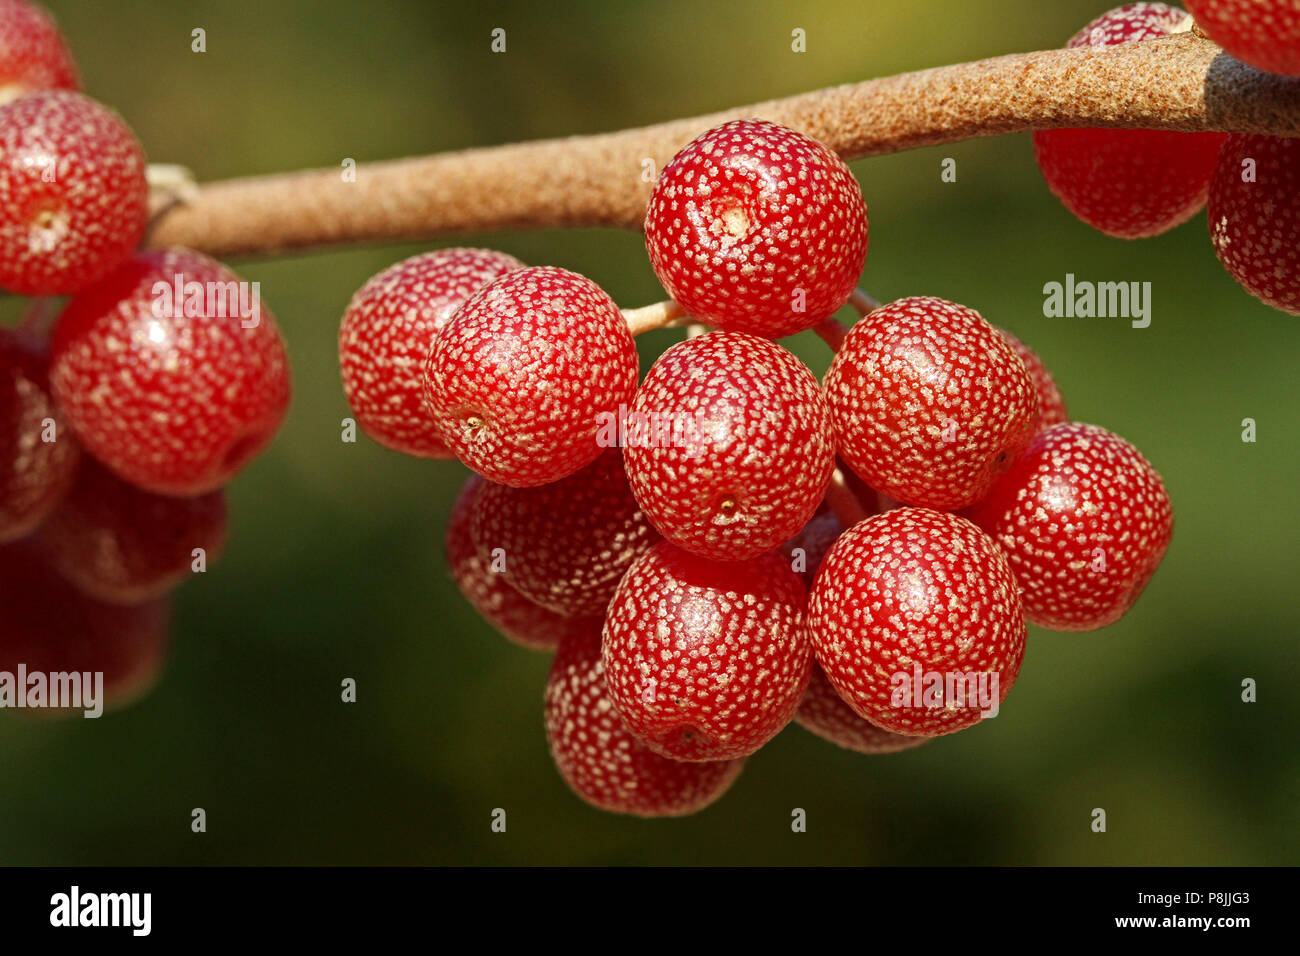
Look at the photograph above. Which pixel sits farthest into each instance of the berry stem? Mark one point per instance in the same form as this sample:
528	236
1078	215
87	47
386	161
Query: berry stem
1180	83
862	302
660	315
832	332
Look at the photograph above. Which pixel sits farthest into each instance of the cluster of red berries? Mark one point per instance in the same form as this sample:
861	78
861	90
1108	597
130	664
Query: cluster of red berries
1138	183
161	377
675	542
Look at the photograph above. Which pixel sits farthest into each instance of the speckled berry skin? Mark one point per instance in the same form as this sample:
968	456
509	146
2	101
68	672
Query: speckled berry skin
707	660
1129	183
388	331
1255	226
807	549
73	196
1084	520
175	404
601	761
34	474
930	403
50	626
565	545
518	619
1262	33
123	545
520	377
914	587
823	712
751	461
33	55
1051	404
756	228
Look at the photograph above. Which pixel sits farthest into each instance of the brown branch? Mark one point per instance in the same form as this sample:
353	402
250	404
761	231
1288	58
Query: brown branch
1179	83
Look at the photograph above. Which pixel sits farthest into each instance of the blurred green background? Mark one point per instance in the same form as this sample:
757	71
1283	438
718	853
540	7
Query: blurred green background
335	566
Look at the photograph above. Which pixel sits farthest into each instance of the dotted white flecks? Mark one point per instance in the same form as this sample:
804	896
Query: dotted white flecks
913	587
1051	405
930	403
823	712
754	227
33	55
1263	33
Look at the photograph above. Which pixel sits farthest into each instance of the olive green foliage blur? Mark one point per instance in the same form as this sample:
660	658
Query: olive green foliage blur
335	566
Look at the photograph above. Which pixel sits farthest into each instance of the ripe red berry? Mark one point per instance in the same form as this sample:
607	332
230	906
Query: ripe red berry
175	393
34	473
823	712
707	660
565	545
912	600
601	761
522	375
73	196
757	228
1085	520
1255	217
729	446
388	331
1129	183
1051	405
519	619
33	55
49	626
123	545
930	402
809	546
1262	33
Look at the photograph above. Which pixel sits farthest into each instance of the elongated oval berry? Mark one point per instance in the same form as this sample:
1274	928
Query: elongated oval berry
916	621
1084	520
1129	183
33	55
565	545
706	660
930	402
388	331
823	712
50	627
729	446
171	372
524	374
601	761
1255	217
123	545
520	620
756	228
1262	33
1051	404
35	473
73	196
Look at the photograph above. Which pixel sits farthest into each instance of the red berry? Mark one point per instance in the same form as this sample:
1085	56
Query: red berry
388	331
729	446
519	619
1255	224
33	55
823	712
1129	183
706	660
757	228
1262	33
565	545
911	600
49	626
1085	520
175	397
599	758
123	545
34	473
520	378
1051	405
73	196
930	402
809	546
